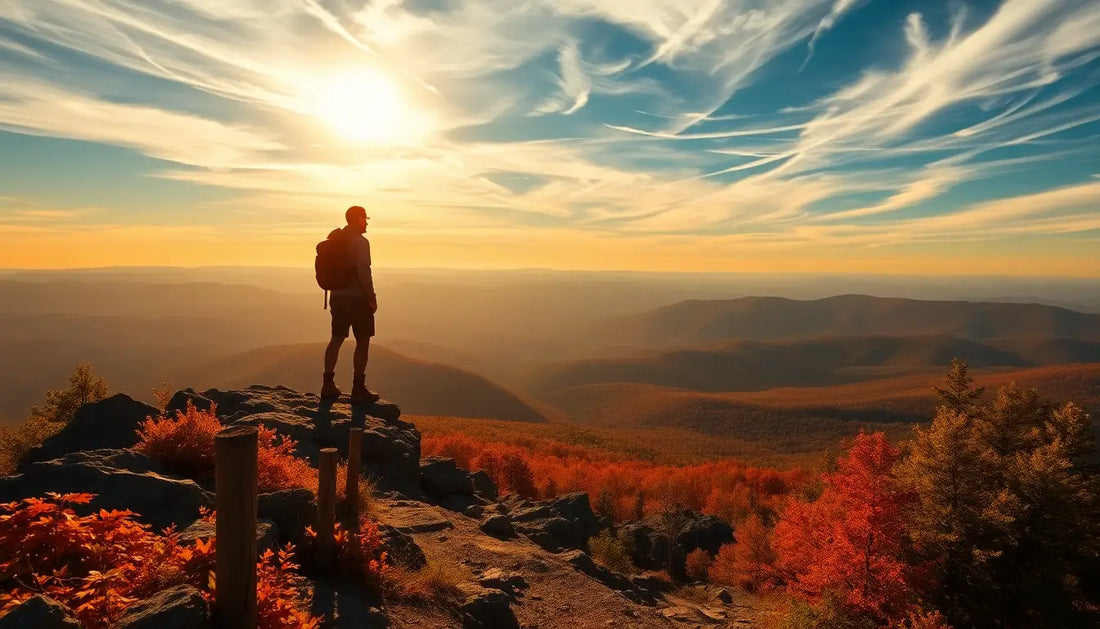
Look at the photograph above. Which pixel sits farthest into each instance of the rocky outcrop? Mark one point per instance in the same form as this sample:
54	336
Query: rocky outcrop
499	526
120	479
391	447
402	548
39	612
453	487
180	607
485	608
663	541
557	524
292	510
109	423
614	580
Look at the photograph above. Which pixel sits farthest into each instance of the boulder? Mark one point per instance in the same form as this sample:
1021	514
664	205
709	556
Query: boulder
390	451
721	596
180	607
39	612
178	403
402	548
459	503
441	477
511	583
291	510
267	534
120	479
486	609
499	526
663	541
109	423
563	522
482	485
614	580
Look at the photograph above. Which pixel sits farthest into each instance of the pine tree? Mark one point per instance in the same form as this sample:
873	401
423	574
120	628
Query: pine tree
957	395
1003	508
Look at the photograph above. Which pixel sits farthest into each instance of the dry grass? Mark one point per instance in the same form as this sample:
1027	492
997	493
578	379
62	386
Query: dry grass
698	594
435	586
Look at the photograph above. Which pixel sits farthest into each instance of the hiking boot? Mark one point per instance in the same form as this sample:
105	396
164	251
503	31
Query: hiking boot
360	393
329	390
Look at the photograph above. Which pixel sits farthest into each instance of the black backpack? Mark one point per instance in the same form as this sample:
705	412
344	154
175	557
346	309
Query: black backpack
334	265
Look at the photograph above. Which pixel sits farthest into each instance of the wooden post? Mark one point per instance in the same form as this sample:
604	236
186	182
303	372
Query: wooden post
326	508
237	502
355	449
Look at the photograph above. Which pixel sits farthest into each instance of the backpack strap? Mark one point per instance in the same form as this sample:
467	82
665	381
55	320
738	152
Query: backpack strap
326	301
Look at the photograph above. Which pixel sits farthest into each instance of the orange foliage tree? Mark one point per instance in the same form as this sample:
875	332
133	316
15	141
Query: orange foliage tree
749	562
852	541
626	489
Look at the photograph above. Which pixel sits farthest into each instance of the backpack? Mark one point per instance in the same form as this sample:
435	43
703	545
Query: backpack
334	265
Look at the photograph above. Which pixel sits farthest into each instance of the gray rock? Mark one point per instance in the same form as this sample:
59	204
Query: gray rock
499	526
180	607
487	609
474	511
563	522
178	403
652	548
267	534
721	595
109	423
120	479
459	502
440	477
291	510
39	612
614	580
402	548
482	485
508	582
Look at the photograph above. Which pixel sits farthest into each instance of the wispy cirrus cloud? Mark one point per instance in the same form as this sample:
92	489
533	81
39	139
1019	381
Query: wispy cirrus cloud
691	119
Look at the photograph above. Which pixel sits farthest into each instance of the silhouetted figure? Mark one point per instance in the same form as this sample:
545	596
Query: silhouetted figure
343	268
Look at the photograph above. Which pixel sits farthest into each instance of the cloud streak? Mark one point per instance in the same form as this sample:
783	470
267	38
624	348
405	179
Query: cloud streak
630	118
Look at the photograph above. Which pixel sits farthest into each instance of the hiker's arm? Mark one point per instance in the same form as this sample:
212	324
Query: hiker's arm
363	267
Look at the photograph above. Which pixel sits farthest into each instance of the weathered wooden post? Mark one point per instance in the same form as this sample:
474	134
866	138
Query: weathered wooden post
237	502
326	508
355	449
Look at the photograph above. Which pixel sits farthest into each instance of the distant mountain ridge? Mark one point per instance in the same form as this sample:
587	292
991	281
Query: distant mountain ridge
700	323
743	365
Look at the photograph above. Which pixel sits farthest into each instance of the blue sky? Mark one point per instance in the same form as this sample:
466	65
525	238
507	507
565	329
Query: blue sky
831	135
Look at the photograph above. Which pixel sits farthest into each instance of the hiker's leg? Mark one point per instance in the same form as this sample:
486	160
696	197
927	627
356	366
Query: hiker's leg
362	351
332	353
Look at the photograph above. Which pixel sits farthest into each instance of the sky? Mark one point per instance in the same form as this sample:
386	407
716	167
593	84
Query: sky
870	136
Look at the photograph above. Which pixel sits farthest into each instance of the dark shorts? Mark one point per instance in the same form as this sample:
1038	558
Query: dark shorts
351	311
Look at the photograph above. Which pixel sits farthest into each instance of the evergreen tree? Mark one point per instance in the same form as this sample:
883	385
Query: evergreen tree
1004	511
957	394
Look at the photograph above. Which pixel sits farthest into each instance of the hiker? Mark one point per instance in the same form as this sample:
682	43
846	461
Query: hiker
343	268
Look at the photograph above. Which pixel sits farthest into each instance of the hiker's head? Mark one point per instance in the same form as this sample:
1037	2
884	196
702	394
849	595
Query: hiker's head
357	218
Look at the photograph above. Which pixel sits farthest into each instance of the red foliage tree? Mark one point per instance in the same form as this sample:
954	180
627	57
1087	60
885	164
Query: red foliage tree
852	540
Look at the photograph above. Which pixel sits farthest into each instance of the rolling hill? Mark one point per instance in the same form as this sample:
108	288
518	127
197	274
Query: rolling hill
696	323
419	387
754	365
802	414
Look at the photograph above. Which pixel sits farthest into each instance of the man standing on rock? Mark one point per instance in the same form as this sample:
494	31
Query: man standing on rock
352	307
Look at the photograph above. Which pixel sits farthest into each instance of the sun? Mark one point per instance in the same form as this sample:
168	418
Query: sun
362	105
